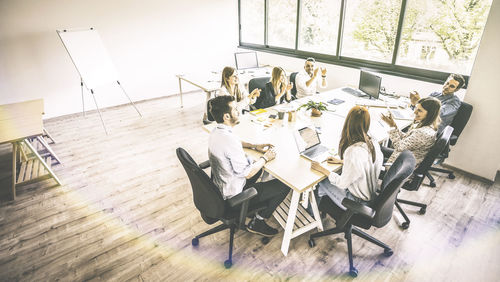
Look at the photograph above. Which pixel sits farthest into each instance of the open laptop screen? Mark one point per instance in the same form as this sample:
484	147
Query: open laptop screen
370	84
246	60
309	138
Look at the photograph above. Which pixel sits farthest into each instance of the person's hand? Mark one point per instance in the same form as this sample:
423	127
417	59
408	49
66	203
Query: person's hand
323	71
270	154
333	160
388	119
263	147
414	97
315	72
255	93
317	166
289	86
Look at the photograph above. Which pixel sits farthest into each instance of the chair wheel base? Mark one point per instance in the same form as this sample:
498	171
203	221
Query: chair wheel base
195	242
353	272
422	211
388	252
312	244
405	225
265	240
228	263
451	176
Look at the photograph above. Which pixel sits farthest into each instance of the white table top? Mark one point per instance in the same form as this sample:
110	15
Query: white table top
21	120
288	166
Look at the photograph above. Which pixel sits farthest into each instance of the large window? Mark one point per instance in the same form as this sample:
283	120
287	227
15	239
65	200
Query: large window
424	39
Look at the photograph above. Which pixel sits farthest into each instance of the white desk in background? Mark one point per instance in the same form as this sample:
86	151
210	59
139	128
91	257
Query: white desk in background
294	170
18	122
210	82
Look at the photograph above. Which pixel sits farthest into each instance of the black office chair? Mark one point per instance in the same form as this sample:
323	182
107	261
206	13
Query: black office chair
293	75
258	82
377	214
421	172
210	118
208	200
459	121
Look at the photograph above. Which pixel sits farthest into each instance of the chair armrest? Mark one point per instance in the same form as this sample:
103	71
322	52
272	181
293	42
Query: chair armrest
453	140
358	208
204	164
245	195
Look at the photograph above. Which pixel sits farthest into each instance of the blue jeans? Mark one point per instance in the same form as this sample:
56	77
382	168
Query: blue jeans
336	194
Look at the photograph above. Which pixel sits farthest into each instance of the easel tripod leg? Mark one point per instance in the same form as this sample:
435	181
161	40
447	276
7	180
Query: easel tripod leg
180	92
129	98
83	100
99	111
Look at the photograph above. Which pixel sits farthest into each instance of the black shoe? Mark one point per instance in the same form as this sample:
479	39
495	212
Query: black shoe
260	227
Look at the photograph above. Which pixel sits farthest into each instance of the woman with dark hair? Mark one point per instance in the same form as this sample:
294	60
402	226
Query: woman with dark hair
420	136
230	86
277	90
361	158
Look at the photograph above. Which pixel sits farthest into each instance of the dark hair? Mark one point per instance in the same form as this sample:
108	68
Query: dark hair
433	108
459	78
227	72
220	106
355	130
311	59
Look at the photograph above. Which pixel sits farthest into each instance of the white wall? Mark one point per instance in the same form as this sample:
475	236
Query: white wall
478	149
148	41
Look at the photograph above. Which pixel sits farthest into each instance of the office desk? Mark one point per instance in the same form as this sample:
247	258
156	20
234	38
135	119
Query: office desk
18	122
210	82
294	170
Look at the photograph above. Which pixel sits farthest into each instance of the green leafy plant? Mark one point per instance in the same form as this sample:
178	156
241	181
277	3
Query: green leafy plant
320	106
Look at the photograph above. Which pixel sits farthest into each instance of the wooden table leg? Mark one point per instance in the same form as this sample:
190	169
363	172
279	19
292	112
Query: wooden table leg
290	222
14	169
42	162
314	206
180	92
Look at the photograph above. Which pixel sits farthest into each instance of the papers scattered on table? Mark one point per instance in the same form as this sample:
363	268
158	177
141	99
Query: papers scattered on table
258	112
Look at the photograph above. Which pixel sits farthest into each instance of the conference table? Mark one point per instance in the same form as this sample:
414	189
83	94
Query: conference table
18	123
293	169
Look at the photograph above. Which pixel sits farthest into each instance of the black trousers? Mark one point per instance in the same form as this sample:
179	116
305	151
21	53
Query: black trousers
271	192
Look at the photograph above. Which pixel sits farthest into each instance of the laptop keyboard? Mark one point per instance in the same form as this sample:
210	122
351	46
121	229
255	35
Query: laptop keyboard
315	151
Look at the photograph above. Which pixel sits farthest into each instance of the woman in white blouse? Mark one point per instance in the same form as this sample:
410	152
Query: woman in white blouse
421	135
361	158
230	86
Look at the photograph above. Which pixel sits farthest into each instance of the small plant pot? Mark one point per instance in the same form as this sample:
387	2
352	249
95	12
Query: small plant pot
316	113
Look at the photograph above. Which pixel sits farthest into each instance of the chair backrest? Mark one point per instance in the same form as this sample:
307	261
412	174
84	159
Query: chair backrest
259	82
206	196
292	80
209	114
441	142
460	120
402	167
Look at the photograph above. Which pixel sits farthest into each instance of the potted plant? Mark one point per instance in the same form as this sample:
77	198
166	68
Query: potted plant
315	107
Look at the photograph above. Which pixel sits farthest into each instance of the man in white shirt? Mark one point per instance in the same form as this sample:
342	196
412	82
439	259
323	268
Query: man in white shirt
307	80
233	171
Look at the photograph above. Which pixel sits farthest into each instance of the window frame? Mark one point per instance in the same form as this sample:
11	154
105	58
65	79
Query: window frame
392	68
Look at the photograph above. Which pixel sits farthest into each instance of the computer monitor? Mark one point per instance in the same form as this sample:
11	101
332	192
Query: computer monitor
246	60
370	84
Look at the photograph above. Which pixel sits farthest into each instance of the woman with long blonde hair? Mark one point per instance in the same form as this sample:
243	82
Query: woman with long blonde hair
362	161
230	86
277	90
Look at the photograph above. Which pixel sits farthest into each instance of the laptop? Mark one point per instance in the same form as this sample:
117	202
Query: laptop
309	145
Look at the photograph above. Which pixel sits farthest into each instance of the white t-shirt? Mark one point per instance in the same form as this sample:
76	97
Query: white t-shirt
302	89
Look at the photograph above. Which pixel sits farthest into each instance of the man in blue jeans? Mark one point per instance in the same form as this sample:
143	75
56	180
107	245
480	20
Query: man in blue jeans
233	171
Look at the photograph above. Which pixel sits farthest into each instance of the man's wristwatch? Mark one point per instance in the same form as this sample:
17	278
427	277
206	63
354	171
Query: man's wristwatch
264	158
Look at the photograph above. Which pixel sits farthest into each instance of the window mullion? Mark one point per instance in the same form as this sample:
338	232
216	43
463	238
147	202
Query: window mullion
399	31
341	28
297	25
266	25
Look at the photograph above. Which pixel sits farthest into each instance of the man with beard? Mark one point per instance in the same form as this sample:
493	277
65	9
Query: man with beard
233	171
307	80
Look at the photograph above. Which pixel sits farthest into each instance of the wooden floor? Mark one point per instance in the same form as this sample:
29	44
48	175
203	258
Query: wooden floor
125	212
